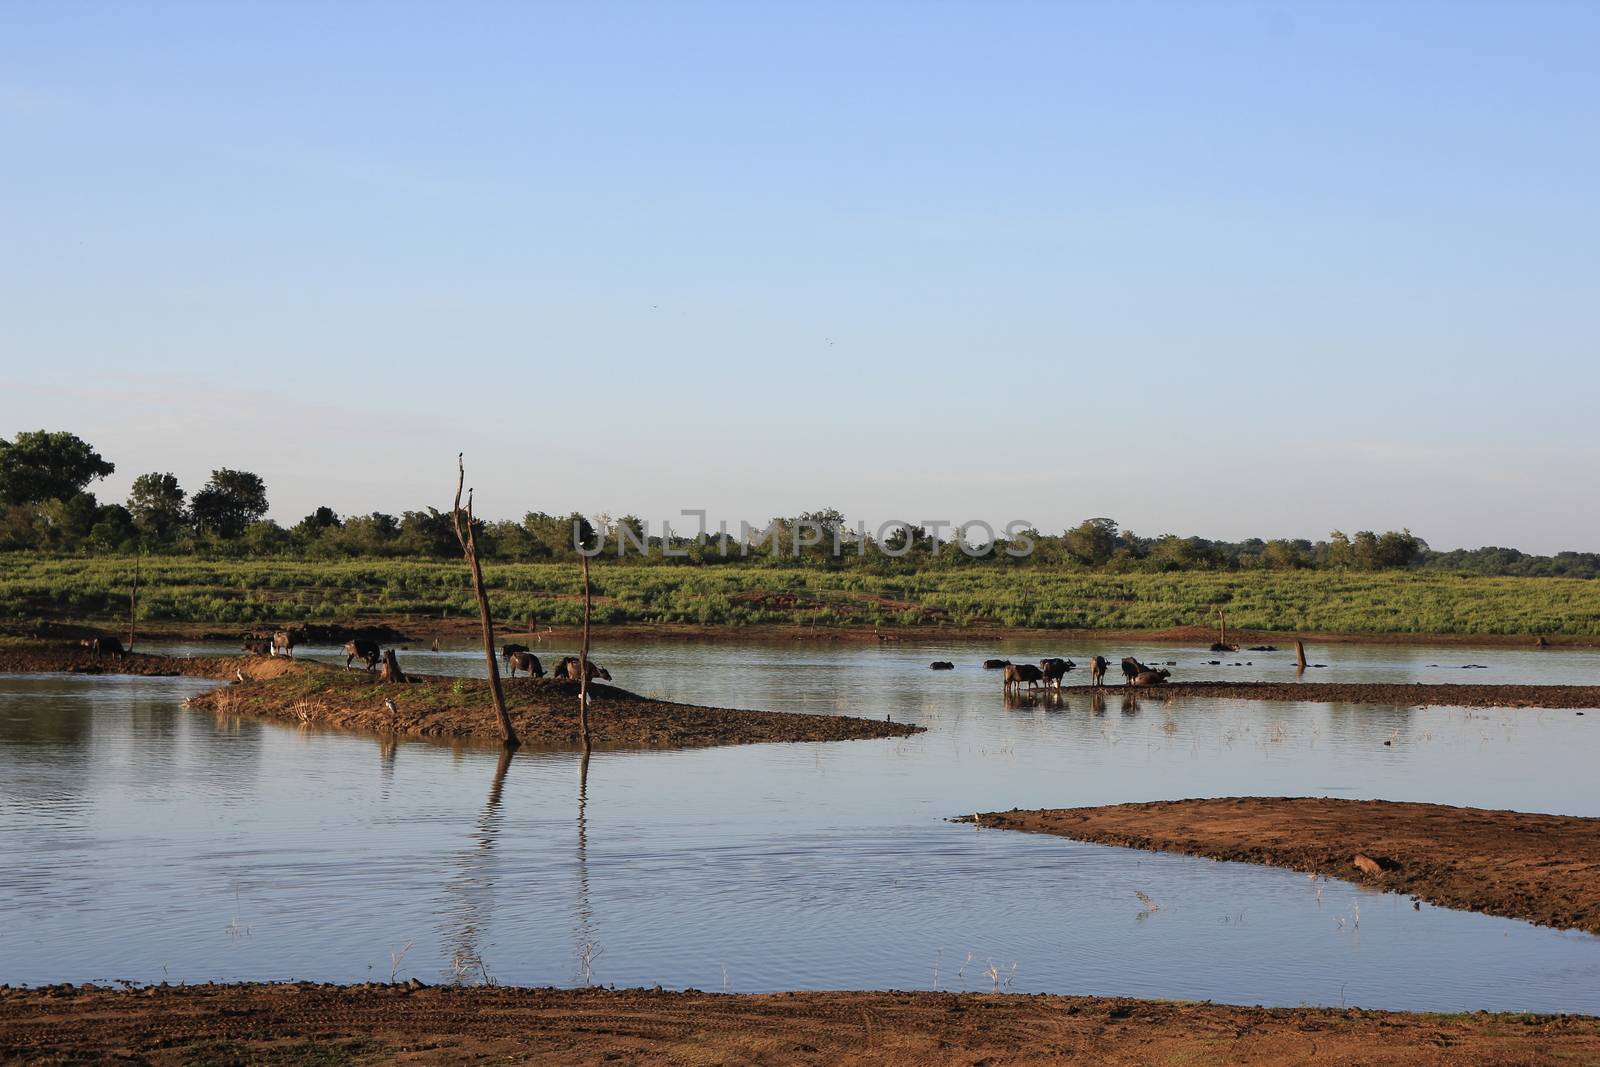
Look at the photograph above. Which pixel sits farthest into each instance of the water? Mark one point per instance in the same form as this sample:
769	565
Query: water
143	841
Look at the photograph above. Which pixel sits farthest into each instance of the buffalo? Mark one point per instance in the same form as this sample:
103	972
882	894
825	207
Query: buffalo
1131	669
1019	673
1097	671
257	646
283	642
569	669
361	648
526	661
507	651
995	664
104	646
1151	677
1055	668
942	665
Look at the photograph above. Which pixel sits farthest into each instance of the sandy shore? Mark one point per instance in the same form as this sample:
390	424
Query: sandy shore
299	1025
1542	868
1415	694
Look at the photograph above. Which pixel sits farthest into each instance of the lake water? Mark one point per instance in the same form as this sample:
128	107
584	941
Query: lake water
143	841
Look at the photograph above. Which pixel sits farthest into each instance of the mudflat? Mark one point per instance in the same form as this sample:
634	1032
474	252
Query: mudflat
1400	694
304	1024
1542	868
543	710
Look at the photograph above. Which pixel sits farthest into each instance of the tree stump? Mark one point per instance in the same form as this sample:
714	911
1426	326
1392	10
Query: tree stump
391	668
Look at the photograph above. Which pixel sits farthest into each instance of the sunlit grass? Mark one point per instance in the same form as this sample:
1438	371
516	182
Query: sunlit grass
247	592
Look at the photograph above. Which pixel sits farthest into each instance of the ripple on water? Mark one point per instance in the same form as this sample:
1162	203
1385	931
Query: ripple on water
156	842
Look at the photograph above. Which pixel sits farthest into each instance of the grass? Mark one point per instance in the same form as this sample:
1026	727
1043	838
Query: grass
251	592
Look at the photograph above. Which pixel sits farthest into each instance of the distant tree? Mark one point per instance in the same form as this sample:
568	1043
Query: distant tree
41	465
1395	550
230	501
1338	554
1092	541
1286	555
155	504
427	533
316	524
1364	551
113	530
265	538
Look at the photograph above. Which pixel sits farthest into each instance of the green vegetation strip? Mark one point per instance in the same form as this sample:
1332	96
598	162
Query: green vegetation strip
184	589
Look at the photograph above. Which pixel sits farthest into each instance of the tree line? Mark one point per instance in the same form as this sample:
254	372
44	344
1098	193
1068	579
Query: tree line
46	505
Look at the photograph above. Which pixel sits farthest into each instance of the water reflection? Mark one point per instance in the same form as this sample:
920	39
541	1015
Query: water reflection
473	886
585	948
796	866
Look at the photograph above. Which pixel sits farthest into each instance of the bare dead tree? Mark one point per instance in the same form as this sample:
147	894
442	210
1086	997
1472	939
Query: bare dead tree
1300	654
133	604
469	551
583	658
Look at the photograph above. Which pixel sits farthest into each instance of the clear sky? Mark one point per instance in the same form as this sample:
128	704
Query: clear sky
1230	269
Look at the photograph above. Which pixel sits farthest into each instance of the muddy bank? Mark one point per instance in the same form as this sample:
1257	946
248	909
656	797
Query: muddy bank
304	1024
1400	694
1542	868
544	711
45	659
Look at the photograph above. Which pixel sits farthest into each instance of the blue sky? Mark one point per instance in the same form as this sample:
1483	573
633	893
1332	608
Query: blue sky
1228	269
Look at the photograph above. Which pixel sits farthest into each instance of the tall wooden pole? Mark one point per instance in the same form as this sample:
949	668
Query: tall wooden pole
469	550
583	662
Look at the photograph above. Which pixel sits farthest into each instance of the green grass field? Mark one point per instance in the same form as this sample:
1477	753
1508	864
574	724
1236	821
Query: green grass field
183	589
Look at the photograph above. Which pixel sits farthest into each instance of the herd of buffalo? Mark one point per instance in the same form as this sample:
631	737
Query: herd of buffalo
1048	674
516	657
1051	671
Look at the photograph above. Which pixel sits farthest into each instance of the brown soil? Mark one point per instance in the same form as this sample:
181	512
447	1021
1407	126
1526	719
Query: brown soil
1418	694
44	659
544	711
1543	868
303	1024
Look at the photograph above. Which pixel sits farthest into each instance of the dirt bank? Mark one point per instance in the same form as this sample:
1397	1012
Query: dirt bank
46	659
1542	868
544	711
1418	694
301	1024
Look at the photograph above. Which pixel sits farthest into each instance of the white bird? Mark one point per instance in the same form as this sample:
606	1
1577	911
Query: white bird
239	675
388	705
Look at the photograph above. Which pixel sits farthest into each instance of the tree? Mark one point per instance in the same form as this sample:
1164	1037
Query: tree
316	524
41	465
463	524
156	504
113	529
1092	541
230	501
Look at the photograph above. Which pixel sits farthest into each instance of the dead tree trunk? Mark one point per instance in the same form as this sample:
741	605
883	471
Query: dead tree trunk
133	605
1300	654
1222	625
583	663
469	551
391	671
